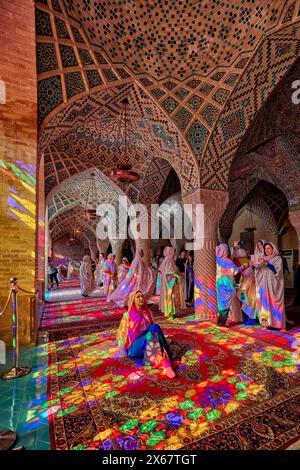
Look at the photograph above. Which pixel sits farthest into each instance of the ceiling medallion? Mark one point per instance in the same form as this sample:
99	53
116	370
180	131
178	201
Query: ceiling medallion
124	173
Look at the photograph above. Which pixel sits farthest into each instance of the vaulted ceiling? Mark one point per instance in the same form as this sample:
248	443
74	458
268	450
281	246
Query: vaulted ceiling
195	72
191	58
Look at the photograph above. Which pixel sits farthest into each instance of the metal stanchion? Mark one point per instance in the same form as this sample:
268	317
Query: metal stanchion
16	371
7	439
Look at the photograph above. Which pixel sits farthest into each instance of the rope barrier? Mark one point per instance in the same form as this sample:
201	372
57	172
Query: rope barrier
27	291
16	371
7	302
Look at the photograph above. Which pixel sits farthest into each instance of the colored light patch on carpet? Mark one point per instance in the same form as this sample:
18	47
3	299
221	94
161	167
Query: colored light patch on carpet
225	380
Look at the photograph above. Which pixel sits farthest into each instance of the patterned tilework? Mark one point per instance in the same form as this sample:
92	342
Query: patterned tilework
289	14
94	78
231	78
195	102
77	35
61	29
122	73
221	95
217	76
100	58
182	93
175	39
146	82
241	63
193	83
109	75
206	89
50	96
170	104
233	124
42	23
170	85
68	57
182	117
197	136
46	57
74	83
210	114
262	74
85	57
79	133
157	92
56	6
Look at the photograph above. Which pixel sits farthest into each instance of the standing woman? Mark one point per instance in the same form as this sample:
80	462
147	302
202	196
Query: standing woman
123	269
271	288
110	275
100	269
171	288
87	282
70	270
139	337
139	277
225	284
189	280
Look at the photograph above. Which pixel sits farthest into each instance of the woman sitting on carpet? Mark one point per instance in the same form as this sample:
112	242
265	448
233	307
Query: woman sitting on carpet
139	337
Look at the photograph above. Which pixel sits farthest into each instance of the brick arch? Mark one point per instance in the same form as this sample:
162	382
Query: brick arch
276	162
273	58
75	138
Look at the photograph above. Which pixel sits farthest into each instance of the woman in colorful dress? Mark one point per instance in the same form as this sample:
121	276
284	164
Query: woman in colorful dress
226	285
110	275
246	294
123	269
171	288
139	338
270	286
100	270
139	277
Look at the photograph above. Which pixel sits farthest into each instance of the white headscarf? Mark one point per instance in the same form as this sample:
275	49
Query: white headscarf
256	251
222	250
168	264
275	251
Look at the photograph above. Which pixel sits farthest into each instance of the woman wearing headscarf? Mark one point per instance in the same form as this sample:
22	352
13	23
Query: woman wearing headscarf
100	269
123	269
87	282
70	270
139	277
226	285
270	288
139	337
110	275
246	293
189	280
171	288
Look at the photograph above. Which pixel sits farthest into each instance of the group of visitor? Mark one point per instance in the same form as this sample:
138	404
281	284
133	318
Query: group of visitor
250	287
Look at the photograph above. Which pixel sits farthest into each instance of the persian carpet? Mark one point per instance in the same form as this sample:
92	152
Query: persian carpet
232	391
58	315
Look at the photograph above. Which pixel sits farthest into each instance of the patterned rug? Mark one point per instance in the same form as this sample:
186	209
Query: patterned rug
232	391
83	312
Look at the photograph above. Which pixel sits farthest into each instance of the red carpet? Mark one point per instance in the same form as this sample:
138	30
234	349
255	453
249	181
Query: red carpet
81	312
233	391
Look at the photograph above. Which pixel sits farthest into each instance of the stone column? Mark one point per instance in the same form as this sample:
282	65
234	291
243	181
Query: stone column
116	246
294	217
214	202
144	245
102	246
